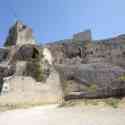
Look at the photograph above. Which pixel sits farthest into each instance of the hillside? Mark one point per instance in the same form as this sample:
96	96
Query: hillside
69	69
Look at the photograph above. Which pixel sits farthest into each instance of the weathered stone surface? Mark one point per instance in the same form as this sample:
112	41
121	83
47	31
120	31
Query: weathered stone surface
92	80
19	34
4	53
79	66
6	71
83	36
25	89
67	52
27	52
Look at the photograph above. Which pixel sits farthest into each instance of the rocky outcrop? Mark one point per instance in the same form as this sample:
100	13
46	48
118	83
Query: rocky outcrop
69	69
95	80
83	36
26	70
4	52
23	89
19	34
91	69
27	52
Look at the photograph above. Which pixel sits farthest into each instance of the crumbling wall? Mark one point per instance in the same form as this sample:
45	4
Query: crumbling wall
83	36
25	89
27	83
81	66
19	34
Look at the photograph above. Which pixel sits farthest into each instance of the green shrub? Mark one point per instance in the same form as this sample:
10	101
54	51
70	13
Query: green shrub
65	85
39	72
122	78
92	88
91	102
112	102
35	70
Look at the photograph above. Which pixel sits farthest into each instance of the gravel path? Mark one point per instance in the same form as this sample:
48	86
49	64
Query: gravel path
51	115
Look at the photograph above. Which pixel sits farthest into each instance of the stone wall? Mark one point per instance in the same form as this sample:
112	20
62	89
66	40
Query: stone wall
21	86
80	66
83	36
25	89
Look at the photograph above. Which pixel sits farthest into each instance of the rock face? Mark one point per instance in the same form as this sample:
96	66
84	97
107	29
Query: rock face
27	52
96	80
26	72
70	69
19	34
91	69
83	36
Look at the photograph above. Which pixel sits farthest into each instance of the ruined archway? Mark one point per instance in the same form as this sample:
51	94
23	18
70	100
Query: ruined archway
27	52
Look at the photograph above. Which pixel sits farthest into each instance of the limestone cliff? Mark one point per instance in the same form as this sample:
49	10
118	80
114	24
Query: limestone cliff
74	68
26	71
19	34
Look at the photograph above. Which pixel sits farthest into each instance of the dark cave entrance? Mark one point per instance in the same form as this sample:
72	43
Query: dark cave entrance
35	53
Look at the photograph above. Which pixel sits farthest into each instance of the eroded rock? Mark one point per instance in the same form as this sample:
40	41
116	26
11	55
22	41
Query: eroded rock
74	68
19	34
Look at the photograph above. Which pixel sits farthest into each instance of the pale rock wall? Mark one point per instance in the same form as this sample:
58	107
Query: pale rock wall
19	34
20	68
47	55
21	89
83	36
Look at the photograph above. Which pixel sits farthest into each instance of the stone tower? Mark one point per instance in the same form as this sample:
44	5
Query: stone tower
19	34
83	36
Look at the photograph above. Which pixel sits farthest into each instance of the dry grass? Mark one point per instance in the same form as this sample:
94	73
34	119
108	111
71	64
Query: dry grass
122	78
9	103
24	105
112	102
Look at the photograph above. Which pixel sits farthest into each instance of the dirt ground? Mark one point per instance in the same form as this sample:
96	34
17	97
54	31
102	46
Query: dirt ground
53	115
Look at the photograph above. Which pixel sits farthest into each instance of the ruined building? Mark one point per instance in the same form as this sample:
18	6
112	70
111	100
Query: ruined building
74	68
83	36
19	34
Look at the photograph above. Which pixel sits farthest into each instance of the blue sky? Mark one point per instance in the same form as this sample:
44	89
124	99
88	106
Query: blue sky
58	19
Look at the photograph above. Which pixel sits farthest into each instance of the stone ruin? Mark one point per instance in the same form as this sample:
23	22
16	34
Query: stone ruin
83	36
75	68
25	72
20	34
